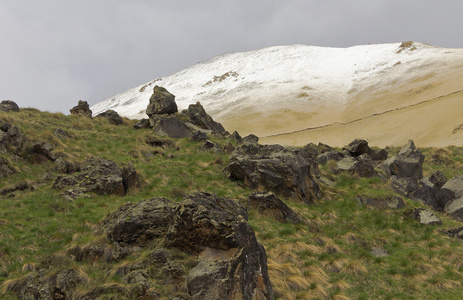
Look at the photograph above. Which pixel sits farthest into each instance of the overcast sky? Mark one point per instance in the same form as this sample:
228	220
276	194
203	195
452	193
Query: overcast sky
56	52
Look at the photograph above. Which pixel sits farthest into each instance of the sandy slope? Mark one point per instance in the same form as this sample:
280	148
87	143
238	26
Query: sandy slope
385	93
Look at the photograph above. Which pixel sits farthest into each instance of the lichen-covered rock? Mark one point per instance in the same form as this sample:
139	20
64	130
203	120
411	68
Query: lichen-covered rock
11	139
358	147
112	116
198	116
99	176
233	265
276	169
423	216
161	102
136	224
8	105
82	109
269	204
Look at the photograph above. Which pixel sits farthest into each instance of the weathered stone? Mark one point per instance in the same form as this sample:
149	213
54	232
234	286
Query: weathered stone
378	154
455	208
160	256
130	177
112	116
322	148
161	102
233	264
200	118
249	139
235	136
358	147
361	165
171	126
228	148
64	167
11	139
211	146
138	223
407	163
438	179
40	153
97	175
329	155
199	136
454	232
388	202
8	105
451	190
270	205
274	168
423	216
82	109
427	194
143	123
403	185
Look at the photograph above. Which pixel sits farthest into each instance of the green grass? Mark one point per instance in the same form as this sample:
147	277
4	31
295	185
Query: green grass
329	257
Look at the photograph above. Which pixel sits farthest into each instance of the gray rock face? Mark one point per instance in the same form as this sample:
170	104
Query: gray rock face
8	105
455	208
112	116
82	109
200	118
325	157
390	202
161	102
427	193
249	139
423	216
451	190
274	168
171	126
269	204
136	224
99	176
361	165
233	264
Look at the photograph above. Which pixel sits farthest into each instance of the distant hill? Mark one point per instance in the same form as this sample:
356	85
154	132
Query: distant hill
386	93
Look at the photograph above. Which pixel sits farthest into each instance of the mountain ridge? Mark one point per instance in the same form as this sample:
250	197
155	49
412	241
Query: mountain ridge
282	89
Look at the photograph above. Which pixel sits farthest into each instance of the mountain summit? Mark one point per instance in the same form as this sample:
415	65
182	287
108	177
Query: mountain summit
385	93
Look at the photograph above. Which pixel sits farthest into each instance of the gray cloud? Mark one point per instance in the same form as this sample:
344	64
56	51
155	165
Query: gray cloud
54	53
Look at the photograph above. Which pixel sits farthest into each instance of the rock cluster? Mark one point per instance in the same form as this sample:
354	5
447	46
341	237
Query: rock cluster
82	109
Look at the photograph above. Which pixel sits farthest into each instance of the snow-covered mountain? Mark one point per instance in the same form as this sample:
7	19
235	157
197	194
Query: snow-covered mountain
304	93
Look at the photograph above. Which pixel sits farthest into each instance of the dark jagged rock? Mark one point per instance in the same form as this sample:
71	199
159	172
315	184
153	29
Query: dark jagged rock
403	185
378	154
143	123
274	168
269	204
172	126
100	176
322	148
199	136
136	224
329	155
200	118
161	102
438	179
427	194
235	136
82	109
454	232
11	139
112	116
358	147
450	197
249	139
233	264
8	105
423	216
361	165
228	148
388	202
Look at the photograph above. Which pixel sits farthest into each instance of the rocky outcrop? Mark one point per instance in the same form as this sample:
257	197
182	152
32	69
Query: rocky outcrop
112	116
274	168
161	102
233	264
423	216
100	176
387	202
406	168
198	116
82	109
136	224
11	139
8	105
270	205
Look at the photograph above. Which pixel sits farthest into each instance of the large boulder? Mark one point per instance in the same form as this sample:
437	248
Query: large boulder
112	116
451	190
200	118
270	205
161	102
8	105
359	146
233	265
11	139
100	176
82	109
136	224
275	168
171	126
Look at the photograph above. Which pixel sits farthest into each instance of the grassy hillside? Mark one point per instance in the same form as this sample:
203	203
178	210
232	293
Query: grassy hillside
330	258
